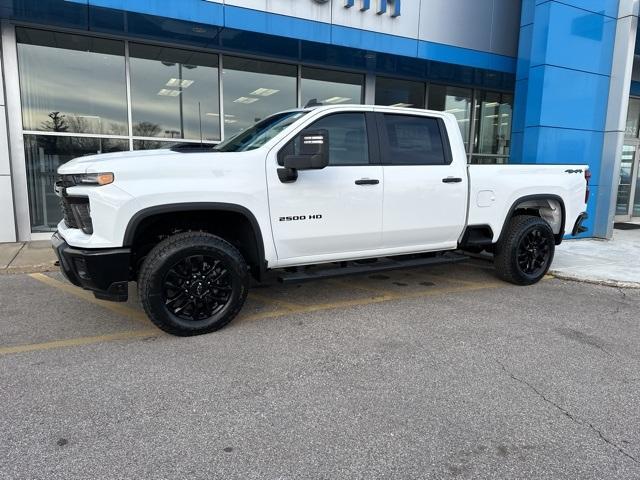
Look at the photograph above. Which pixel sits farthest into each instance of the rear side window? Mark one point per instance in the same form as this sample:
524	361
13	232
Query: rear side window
413	140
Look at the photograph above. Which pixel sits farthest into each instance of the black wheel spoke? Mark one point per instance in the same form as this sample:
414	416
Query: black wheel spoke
197	287
533	252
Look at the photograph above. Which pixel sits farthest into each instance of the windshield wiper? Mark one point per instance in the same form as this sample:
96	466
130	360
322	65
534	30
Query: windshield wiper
192	148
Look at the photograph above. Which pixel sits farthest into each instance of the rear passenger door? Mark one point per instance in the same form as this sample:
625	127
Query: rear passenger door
425	193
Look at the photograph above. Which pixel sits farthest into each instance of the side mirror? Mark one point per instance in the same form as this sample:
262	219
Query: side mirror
313	148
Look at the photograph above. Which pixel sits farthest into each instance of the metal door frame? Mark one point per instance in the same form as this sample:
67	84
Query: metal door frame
634	179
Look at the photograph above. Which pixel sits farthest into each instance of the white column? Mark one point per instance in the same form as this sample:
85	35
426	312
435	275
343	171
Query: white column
14	130
7	213
619	88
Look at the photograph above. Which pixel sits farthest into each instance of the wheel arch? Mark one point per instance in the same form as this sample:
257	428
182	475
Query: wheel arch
254	253
543	205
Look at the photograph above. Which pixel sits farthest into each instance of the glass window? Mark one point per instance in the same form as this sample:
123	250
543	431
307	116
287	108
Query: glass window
399	93
174	93
260	133
413	141
493	124
330	87
625	180
44	154
348	142
71	83
456	101
253	90
633	118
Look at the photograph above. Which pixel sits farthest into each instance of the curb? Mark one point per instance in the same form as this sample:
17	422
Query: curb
592	281
41	268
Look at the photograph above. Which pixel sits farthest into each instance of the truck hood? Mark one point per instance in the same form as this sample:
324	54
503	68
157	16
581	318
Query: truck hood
118	161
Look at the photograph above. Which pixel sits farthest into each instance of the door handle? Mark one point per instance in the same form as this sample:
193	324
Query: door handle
451	180
367	181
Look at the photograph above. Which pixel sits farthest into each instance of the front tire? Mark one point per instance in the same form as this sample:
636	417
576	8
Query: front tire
524	254
193	283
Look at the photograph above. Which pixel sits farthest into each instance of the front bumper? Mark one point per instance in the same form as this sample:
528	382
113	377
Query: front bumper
103	271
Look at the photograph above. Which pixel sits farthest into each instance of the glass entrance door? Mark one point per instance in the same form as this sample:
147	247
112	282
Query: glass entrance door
628	202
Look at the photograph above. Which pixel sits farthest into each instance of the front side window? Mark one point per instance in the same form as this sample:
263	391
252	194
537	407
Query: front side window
348	141
413	140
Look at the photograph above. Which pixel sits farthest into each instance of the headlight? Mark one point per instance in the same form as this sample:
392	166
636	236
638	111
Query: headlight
94	179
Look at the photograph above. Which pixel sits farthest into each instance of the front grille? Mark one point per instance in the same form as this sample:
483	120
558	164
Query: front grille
77	213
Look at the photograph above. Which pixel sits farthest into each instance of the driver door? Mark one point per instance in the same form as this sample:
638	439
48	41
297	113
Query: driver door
334	212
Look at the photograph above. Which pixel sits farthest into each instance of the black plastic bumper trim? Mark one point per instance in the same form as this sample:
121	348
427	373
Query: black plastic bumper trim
578	228
103	271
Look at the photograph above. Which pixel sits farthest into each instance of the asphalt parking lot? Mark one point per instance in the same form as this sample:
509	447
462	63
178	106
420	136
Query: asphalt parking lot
443	372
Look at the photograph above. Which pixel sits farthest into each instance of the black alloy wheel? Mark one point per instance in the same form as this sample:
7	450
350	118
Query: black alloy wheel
193	283
525	250
533	252
197	287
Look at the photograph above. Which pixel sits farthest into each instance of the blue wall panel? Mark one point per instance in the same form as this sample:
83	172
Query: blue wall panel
564	98
573	38
379	42
528	12
524	47
520	104
603	7
464	56
561	145
190	10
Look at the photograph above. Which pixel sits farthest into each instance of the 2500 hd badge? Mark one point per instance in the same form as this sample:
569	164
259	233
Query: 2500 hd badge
300	217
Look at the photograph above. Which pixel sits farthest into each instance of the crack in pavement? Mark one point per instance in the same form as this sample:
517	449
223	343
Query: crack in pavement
568	414
622	292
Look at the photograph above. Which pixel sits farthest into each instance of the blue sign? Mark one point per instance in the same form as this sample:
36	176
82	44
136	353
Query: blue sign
382	6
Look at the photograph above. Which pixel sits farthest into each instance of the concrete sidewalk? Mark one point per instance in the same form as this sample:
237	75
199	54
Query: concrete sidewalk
27	257
607	262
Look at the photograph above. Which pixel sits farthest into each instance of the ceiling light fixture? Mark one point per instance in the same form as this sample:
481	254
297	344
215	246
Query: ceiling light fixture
166	92
336	100
245	100
176	82
264	92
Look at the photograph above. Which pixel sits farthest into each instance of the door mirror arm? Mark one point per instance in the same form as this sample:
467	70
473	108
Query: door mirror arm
287	175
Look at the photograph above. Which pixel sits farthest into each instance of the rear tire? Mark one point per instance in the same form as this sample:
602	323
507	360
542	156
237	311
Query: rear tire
193	283
524	254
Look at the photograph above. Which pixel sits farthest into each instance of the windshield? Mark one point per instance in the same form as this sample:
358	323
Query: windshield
260	133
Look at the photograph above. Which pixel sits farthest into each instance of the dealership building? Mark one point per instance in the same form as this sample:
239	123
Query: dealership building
531	81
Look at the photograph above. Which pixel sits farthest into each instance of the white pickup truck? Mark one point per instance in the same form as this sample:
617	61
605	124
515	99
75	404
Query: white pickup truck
334	187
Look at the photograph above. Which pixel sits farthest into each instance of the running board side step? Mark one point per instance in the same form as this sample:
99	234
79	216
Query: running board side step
303	274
